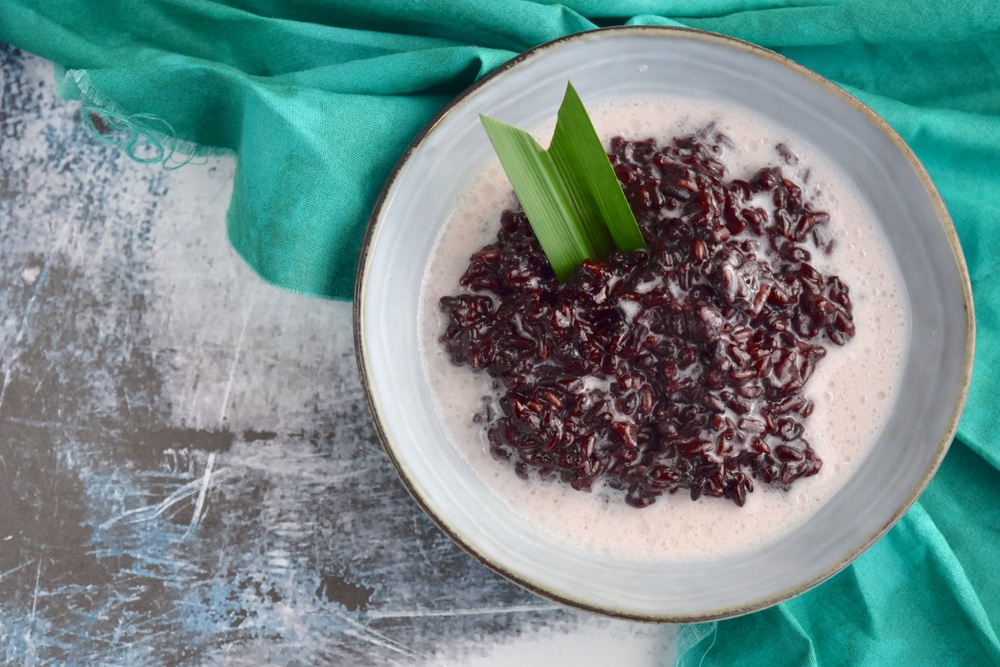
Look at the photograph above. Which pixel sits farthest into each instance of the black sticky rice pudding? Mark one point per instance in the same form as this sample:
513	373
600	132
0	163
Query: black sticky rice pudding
686	370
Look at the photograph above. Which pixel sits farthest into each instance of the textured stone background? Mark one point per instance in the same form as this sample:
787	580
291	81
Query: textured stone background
188	474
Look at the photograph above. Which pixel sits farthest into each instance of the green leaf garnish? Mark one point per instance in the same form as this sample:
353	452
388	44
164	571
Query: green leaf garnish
570	193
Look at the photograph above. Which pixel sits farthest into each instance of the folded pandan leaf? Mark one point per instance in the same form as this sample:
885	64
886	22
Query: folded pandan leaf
570	193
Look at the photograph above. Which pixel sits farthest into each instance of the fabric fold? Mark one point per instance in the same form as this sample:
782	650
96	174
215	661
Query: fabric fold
906	601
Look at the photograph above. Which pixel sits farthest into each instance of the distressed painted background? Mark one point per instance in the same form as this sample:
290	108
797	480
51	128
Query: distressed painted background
188	475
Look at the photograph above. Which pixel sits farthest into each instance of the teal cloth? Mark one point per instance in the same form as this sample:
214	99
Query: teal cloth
318	98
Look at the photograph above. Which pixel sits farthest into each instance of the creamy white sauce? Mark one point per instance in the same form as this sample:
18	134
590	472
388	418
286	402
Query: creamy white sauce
853	387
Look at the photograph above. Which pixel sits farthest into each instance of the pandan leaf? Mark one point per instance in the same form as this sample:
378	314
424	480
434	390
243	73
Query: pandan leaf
569	193
582	161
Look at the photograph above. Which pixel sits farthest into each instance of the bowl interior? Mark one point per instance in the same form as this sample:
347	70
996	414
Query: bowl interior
620	62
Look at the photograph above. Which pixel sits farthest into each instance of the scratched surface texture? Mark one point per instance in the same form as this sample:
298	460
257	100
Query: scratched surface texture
188	475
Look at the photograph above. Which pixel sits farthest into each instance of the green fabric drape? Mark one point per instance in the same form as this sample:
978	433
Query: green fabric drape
318	98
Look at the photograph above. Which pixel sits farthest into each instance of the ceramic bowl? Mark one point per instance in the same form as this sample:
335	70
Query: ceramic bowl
641	60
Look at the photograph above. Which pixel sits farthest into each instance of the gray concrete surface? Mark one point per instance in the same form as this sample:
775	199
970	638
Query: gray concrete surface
188	474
